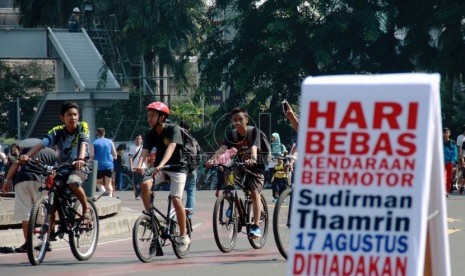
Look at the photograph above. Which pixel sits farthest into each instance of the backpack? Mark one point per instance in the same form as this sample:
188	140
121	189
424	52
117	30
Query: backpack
264	148
190	150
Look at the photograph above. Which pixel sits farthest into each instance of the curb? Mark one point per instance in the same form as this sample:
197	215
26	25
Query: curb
114	220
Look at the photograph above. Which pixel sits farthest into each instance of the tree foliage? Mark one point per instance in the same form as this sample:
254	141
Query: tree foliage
26	83
260	51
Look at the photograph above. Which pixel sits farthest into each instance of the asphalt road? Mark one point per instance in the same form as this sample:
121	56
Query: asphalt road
115	255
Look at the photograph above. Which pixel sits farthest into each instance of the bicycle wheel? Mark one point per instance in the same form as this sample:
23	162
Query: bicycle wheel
126	185
224	224
262	224
145	240
282	222
38	231
83	238
175	232
210	180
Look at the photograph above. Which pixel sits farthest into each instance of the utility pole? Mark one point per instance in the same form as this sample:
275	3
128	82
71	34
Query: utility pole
18	118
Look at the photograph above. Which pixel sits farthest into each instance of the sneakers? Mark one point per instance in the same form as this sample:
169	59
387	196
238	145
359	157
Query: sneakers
183	243
255	232
137	197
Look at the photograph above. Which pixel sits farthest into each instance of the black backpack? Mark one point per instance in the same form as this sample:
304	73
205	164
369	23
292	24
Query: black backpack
190	150
264	149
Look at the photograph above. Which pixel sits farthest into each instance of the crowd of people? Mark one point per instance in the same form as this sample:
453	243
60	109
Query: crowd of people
454	160
161	149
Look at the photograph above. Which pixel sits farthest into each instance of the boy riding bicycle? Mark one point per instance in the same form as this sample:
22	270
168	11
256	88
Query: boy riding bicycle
72	141
167	139
248	152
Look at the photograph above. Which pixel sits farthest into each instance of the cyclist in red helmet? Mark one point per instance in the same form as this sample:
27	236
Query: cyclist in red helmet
167	139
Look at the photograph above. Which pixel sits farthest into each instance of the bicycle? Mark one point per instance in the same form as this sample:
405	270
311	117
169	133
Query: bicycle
282	216
83	237
127	183
231	213
457	179
209	179
153	230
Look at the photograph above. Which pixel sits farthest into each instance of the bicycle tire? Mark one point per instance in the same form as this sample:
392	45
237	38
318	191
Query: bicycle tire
282	222
38	232
175	231
145	238
224	224
127	183
83	239
263	225
210	180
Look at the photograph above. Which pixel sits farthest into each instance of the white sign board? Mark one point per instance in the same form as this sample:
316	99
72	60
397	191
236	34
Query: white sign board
369	149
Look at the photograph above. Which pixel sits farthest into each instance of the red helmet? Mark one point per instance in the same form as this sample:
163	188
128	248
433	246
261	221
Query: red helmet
160	107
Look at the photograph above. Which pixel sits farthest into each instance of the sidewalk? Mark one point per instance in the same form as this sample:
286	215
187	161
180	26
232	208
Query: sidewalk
114	220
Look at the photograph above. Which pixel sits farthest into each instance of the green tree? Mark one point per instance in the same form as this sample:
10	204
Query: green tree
259	52
24	82
36	13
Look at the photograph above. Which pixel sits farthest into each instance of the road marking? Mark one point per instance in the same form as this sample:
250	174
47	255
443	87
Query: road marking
453	230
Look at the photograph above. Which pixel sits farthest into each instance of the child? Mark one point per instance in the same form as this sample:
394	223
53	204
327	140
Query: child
279	178
72	141
167	139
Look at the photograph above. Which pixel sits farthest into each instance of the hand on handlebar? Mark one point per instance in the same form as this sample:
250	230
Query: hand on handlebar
79	164
250	162
209	163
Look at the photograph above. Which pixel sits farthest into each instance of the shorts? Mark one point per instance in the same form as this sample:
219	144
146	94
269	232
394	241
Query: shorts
177	181
26	194
105	173
252	182
78	177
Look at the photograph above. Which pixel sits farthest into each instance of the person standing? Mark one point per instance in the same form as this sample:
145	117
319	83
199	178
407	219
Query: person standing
450	158
72	142
135	152
191	179
279	179
167	139
119	166
105	154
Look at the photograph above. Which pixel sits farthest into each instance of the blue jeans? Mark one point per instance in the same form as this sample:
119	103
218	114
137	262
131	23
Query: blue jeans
137	180
190	188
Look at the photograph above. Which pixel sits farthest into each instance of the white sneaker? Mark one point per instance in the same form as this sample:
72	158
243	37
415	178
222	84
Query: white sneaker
183	243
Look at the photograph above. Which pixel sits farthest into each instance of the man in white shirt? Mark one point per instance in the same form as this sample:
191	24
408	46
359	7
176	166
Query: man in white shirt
135	152
459	141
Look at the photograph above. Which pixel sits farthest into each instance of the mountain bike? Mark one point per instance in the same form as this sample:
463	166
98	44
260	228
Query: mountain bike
82	234
153	230
232	213
282	216
127	181
209	179
282	221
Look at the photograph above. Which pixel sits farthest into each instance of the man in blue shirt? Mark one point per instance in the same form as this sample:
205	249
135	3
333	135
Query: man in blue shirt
105	154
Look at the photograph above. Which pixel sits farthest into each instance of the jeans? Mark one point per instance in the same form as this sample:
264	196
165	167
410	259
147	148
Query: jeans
190	188
136	181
